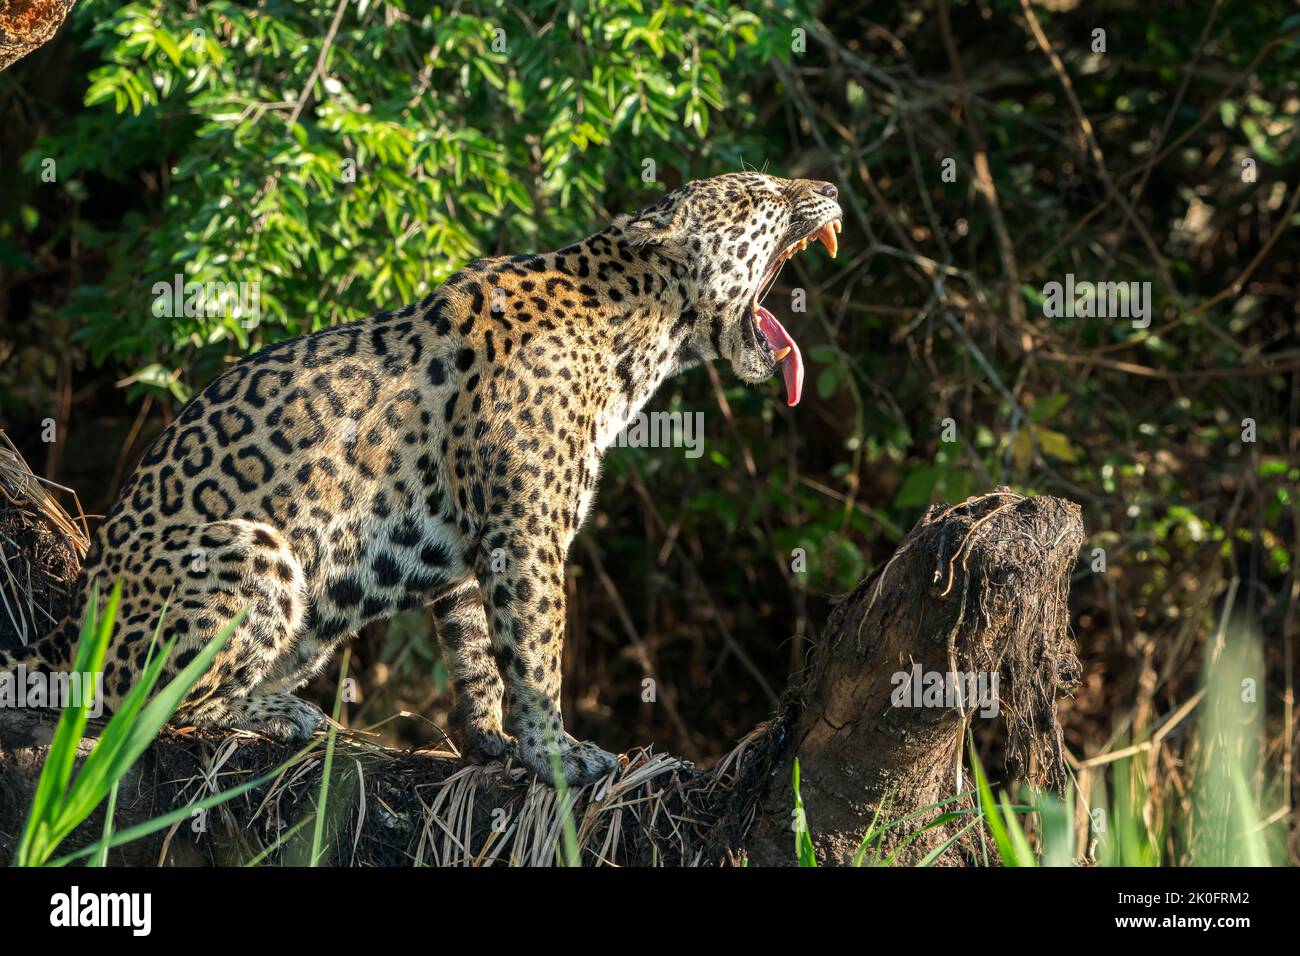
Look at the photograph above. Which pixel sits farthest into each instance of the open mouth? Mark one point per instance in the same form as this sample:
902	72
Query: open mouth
781	346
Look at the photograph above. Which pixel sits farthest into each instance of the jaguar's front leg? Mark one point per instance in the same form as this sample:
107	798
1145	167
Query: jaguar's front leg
525	599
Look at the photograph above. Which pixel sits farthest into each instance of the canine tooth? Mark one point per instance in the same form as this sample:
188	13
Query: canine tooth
837	225
827	235
782	354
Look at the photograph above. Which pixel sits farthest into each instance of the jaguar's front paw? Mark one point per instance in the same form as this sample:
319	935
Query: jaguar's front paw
580	762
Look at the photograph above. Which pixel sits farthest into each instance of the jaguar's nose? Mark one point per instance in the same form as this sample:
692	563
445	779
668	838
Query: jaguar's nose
826	189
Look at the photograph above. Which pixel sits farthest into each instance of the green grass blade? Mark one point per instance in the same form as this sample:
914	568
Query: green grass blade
1019	842
936	822
1057	818
96	775
943	847
102	858
571	855
803	844
318	832
280	841
867	838
1001	839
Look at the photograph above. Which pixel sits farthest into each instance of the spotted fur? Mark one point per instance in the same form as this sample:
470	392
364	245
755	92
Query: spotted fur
444	455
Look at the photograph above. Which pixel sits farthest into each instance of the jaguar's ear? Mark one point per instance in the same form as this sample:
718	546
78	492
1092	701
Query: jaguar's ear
657	224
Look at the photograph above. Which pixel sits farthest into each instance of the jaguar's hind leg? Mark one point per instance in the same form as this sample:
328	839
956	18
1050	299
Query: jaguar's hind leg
476	723
233	565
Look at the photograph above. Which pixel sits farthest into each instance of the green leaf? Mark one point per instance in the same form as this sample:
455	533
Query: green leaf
918	487
1054	444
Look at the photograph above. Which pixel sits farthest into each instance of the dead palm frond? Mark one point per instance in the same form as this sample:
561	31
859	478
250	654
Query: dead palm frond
41	547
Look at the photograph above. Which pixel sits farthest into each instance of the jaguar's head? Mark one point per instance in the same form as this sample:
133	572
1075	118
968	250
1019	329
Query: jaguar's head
731	234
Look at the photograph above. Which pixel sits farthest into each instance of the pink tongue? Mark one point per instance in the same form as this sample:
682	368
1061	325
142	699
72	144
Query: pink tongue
792	364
